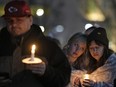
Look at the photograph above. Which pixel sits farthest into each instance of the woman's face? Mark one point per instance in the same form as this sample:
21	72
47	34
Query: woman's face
96	50
76	49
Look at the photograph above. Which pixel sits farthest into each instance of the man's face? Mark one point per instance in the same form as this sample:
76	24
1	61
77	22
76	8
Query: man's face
18	25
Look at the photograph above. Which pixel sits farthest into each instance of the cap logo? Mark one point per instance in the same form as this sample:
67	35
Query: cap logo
12	9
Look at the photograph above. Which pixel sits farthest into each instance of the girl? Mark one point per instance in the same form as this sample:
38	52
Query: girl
75	51
102	63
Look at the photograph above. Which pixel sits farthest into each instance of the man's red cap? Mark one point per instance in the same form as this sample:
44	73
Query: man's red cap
17	9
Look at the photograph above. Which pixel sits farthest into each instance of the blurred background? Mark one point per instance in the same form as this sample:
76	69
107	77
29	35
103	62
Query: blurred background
61	19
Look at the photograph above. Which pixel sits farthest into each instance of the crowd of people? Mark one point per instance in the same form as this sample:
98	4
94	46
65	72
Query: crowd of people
85	53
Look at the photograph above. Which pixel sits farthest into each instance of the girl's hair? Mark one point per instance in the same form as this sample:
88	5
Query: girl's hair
93	64
83	38
81	62
78	36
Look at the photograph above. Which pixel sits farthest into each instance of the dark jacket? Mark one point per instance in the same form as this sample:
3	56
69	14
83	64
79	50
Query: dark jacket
58	70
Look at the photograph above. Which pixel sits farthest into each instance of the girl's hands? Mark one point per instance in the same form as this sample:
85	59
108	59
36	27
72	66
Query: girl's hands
88	83
77	82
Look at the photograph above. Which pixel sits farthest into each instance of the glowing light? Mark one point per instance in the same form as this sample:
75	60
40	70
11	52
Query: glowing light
33	52
86	76
32	59
40	12
88	26
59	28
42	28
95	16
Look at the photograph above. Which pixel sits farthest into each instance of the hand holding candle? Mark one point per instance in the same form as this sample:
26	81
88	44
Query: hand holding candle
87	82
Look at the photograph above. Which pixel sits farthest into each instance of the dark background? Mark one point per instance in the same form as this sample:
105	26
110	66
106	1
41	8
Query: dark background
70	16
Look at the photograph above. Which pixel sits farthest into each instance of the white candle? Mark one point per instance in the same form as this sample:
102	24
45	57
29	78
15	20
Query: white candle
86	76
33	52
32	59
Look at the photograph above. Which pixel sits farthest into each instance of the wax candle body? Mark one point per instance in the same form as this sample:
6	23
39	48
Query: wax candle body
33	52
86	76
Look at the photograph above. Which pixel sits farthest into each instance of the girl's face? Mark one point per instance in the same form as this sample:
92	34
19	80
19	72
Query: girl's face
96	50
76	49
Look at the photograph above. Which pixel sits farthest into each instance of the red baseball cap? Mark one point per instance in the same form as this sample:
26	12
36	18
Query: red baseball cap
17	9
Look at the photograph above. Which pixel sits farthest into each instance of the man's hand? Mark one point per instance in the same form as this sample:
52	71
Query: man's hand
37	68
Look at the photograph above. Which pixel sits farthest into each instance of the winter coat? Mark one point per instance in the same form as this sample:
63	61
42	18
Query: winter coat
13	50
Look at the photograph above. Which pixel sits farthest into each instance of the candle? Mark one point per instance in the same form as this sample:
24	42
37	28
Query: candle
86	76
33	52
32	59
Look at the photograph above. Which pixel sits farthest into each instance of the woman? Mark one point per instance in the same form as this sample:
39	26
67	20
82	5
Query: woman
75	51
102	65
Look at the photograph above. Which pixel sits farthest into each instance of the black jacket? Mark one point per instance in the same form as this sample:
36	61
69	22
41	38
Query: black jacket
58	70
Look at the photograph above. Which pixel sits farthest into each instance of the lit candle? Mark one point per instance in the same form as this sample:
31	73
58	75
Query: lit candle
33	52
32	59
86	76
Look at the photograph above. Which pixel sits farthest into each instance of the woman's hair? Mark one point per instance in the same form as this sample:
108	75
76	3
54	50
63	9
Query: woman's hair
93	64
78	36
81	62
81	37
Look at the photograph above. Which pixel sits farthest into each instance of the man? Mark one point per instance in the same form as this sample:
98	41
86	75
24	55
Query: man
15	42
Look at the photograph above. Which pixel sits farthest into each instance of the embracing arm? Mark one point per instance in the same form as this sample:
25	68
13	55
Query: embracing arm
102	84
91	83
105	74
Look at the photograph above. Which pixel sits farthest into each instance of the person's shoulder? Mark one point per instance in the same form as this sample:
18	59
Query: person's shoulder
3	30
113	55
36	29
35	26
112	58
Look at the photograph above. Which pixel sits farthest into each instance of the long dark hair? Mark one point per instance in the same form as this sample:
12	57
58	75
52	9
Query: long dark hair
93	63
